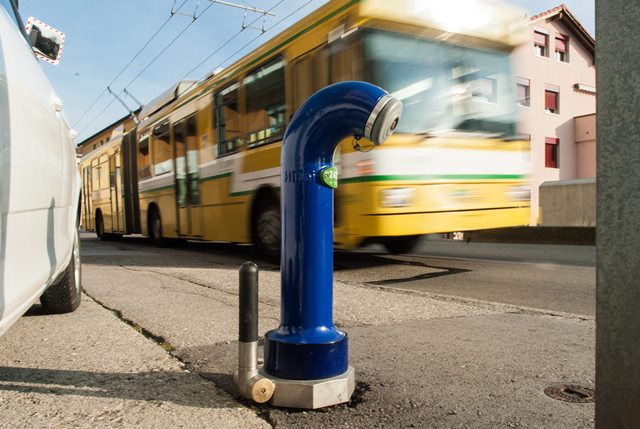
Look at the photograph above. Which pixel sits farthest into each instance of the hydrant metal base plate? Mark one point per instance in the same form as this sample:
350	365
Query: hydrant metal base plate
312	394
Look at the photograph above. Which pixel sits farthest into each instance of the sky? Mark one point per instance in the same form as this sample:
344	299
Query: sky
103	37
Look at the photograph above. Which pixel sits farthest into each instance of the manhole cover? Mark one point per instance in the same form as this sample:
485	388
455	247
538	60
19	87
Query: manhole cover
571	393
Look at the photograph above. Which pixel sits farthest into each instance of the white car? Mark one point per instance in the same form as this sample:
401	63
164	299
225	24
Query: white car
39	184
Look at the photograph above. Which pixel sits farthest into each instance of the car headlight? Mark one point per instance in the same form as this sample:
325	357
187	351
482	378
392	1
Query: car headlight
519	193
398	197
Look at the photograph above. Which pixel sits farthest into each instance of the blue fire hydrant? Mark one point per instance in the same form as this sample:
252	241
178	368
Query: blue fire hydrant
306	357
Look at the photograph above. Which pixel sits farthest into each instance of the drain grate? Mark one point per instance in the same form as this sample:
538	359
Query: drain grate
571	393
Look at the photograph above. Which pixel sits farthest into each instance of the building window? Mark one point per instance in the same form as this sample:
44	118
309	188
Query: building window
540	43
524	92
552	99
551	145
562	48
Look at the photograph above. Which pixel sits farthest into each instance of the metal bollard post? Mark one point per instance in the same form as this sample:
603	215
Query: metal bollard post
250	384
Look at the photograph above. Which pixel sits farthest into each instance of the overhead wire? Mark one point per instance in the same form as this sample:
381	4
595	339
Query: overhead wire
261	34
106	89
228	41
248	43
206	59
195	18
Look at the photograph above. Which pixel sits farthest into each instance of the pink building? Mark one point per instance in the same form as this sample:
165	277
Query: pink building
556	94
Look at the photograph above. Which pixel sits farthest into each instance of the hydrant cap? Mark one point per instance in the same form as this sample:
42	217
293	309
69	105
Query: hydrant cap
383	119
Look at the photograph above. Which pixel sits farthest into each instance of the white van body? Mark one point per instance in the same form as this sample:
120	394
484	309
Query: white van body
39	181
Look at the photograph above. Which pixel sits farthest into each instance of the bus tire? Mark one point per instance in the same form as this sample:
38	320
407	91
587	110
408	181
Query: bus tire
155	227
401	244
65	295
268	231
100	226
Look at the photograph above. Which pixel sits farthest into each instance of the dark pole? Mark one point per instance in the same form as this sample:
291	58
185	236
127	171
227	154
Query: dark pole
618	216
248	317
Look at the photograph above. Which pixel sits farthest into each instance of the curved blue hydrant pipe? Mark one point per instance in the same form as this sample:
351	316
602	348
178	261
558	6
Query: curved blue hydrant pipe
307	345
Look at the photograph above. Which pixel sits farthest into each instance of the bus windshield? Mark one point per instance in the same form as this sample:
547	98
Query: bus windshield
444	88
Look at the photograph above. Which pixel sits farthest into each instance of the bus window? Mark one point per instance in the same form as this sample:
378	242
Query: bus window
193	162
179	141
227	120
104	174
310	74
161	150
185	141
112	170
346	60
144	160
265	103
95	179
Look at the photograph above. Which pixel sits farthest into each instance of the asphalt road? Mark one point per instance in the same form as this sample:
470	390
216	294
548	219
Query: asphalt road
436	342
543	286
555	254
558	278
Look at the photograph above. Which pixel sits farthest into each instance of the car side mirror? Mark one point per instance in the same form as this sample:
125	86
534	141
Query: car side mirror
46	41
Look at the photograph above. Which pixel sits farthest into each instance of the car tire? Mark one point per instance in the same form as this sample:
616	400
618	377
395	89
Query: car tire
401	244
65	295
268	231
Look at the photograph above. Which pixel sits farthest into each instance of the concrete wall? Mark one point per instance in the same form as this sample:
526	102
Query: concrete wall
568	203
585	131
539	124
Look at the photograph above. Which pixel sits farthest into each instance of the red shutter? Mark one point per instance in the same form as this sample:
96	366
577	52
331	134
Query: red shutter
551	152
561	44
551	100
539	39
549	156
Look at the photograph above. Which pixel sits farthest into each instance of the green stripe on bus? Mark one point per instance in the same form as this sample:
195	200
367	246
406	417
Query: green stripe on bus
388	178
433	177
271	51
219	176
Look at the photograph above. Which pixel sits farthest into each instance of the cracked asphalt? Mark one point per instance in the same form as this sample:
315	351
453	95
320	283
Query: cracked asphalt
154	344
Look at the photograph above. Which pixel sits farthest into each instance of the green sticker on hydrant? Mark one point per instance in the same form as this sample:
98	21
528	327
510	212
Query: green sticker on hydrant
329	177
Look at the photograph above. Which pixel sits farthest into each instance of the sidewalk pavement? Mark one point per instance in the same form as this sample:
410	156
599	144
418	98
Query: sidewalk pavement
88	369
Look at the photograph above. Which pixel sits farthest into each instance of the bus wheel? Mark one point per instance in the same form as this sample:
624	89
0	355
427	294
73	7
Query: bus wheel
401	244
155	228
65	295
267	231
100	226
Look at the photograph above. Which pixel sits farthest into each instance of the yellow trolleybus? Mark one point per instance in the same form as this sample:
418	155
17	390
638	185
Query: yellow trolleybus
204	161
